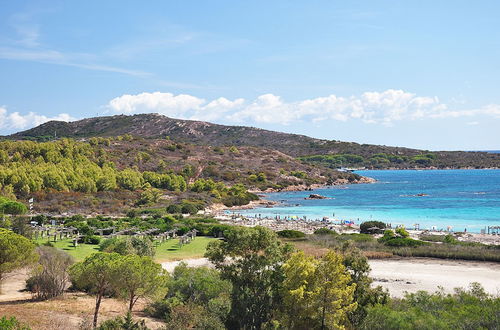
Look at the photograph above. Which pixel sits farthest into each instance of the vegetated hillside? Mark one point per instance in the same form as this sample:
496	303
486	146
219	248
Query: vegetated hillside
197	132
113	174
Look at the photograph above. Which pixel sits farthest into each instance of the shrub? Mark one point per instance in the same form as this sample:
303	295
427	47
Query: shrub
325	231
50	279
11	324
189	208
288	233
357	237
365	226
402	232
174	209
403	241
90	239
464	309
128	245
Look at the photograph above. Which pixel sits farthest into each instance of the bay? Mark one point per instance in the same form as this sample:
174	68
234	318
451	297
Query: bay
462	199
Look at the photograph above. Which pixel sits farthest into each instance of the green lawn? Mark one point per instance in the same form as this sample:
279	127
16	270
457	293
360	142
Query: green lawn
167	251
79	253
170	250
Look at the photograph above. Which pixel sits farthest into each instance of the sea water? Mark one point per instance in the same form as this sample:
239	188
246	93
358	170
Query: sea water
460	199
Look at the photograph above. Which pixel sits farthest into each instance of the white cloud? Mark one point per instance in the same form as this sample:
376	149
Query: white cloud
163	103
371	107
15	121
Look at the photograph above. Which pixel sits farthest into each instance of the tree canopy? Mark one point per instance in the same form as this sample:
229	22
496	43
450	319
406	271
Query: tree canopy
16	252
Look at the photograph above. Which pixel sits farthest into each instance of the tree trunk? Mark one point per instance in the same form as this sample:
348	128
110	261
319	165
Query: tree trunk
131	303
97	305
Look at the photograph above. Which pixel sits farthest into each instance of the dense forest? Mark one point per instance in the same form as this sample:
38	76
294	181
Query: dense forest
69	166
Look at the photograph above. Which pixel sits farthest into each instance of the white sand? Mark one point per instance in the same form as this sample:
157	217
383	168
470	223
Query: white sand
411	275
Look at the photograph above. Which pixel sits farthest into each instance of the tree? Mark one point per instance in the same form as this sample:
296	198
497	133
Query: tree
51	277
96	275
197	284
251	259
16	252
20	225
335	294
8	206
128	245
139	277
365	296
299	290
317	293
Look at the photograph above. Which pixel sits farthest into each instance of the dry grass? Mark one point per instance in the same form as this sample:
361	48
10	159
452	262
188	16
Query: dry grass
309	248
66	312
69	311
378	254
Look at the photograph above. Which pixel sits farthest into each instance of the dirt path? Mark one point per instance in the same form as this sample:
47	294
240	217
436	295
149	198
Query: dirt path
12	286
199	262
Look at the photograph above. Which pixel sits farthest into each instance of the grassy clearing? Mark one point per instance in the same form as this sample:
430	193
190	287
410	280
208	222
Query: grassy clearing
171	251
79	253
167	251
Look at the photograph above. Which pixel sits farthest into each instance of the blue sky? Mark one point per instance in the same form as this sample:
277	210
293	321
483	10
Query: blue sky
422	74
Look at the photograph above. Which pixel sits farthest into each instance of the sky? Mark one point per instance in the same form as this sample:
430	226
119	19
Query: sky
422	74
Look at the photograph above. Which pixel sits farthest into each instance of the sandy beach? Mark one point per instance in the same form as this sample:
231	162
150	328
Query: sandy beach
411	275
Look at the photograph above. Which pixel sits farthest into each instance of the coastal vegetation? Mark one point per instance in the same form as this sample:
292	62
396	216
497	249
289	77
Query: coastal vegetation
110	174
266	283
399	244
470	308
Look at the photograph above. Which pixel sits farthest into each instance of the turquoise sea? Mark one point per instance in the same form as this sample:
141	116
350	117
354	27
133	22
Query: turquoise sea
462	199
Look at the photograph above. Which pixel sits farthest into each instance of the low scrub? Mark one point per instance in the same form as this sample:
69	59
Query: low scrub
465	309
288	233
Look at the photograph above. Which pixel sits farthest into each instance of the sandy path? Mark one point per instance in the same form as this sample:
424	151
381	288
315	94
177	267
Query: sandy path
411	275
199	262
400	275
13	285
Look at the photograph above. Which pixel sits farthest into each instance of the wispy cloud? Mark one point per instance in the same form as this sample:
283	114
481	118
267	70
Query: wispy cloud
25	45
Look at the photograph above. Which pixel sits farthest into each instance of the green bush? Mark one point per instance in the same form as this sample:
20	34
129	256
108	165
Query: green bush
288	233
402	232
11	324
189	208
174	209
357	237
403	241
464	309
325	231
372	224
90	239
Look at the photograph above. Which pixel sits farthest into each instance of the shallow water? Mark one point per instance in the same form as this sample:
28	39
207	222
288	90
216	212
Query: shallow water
462	199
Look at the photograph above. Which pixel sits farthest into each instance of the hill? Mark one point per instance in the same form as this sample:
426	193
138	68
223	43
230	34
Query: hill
204	133
112	175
